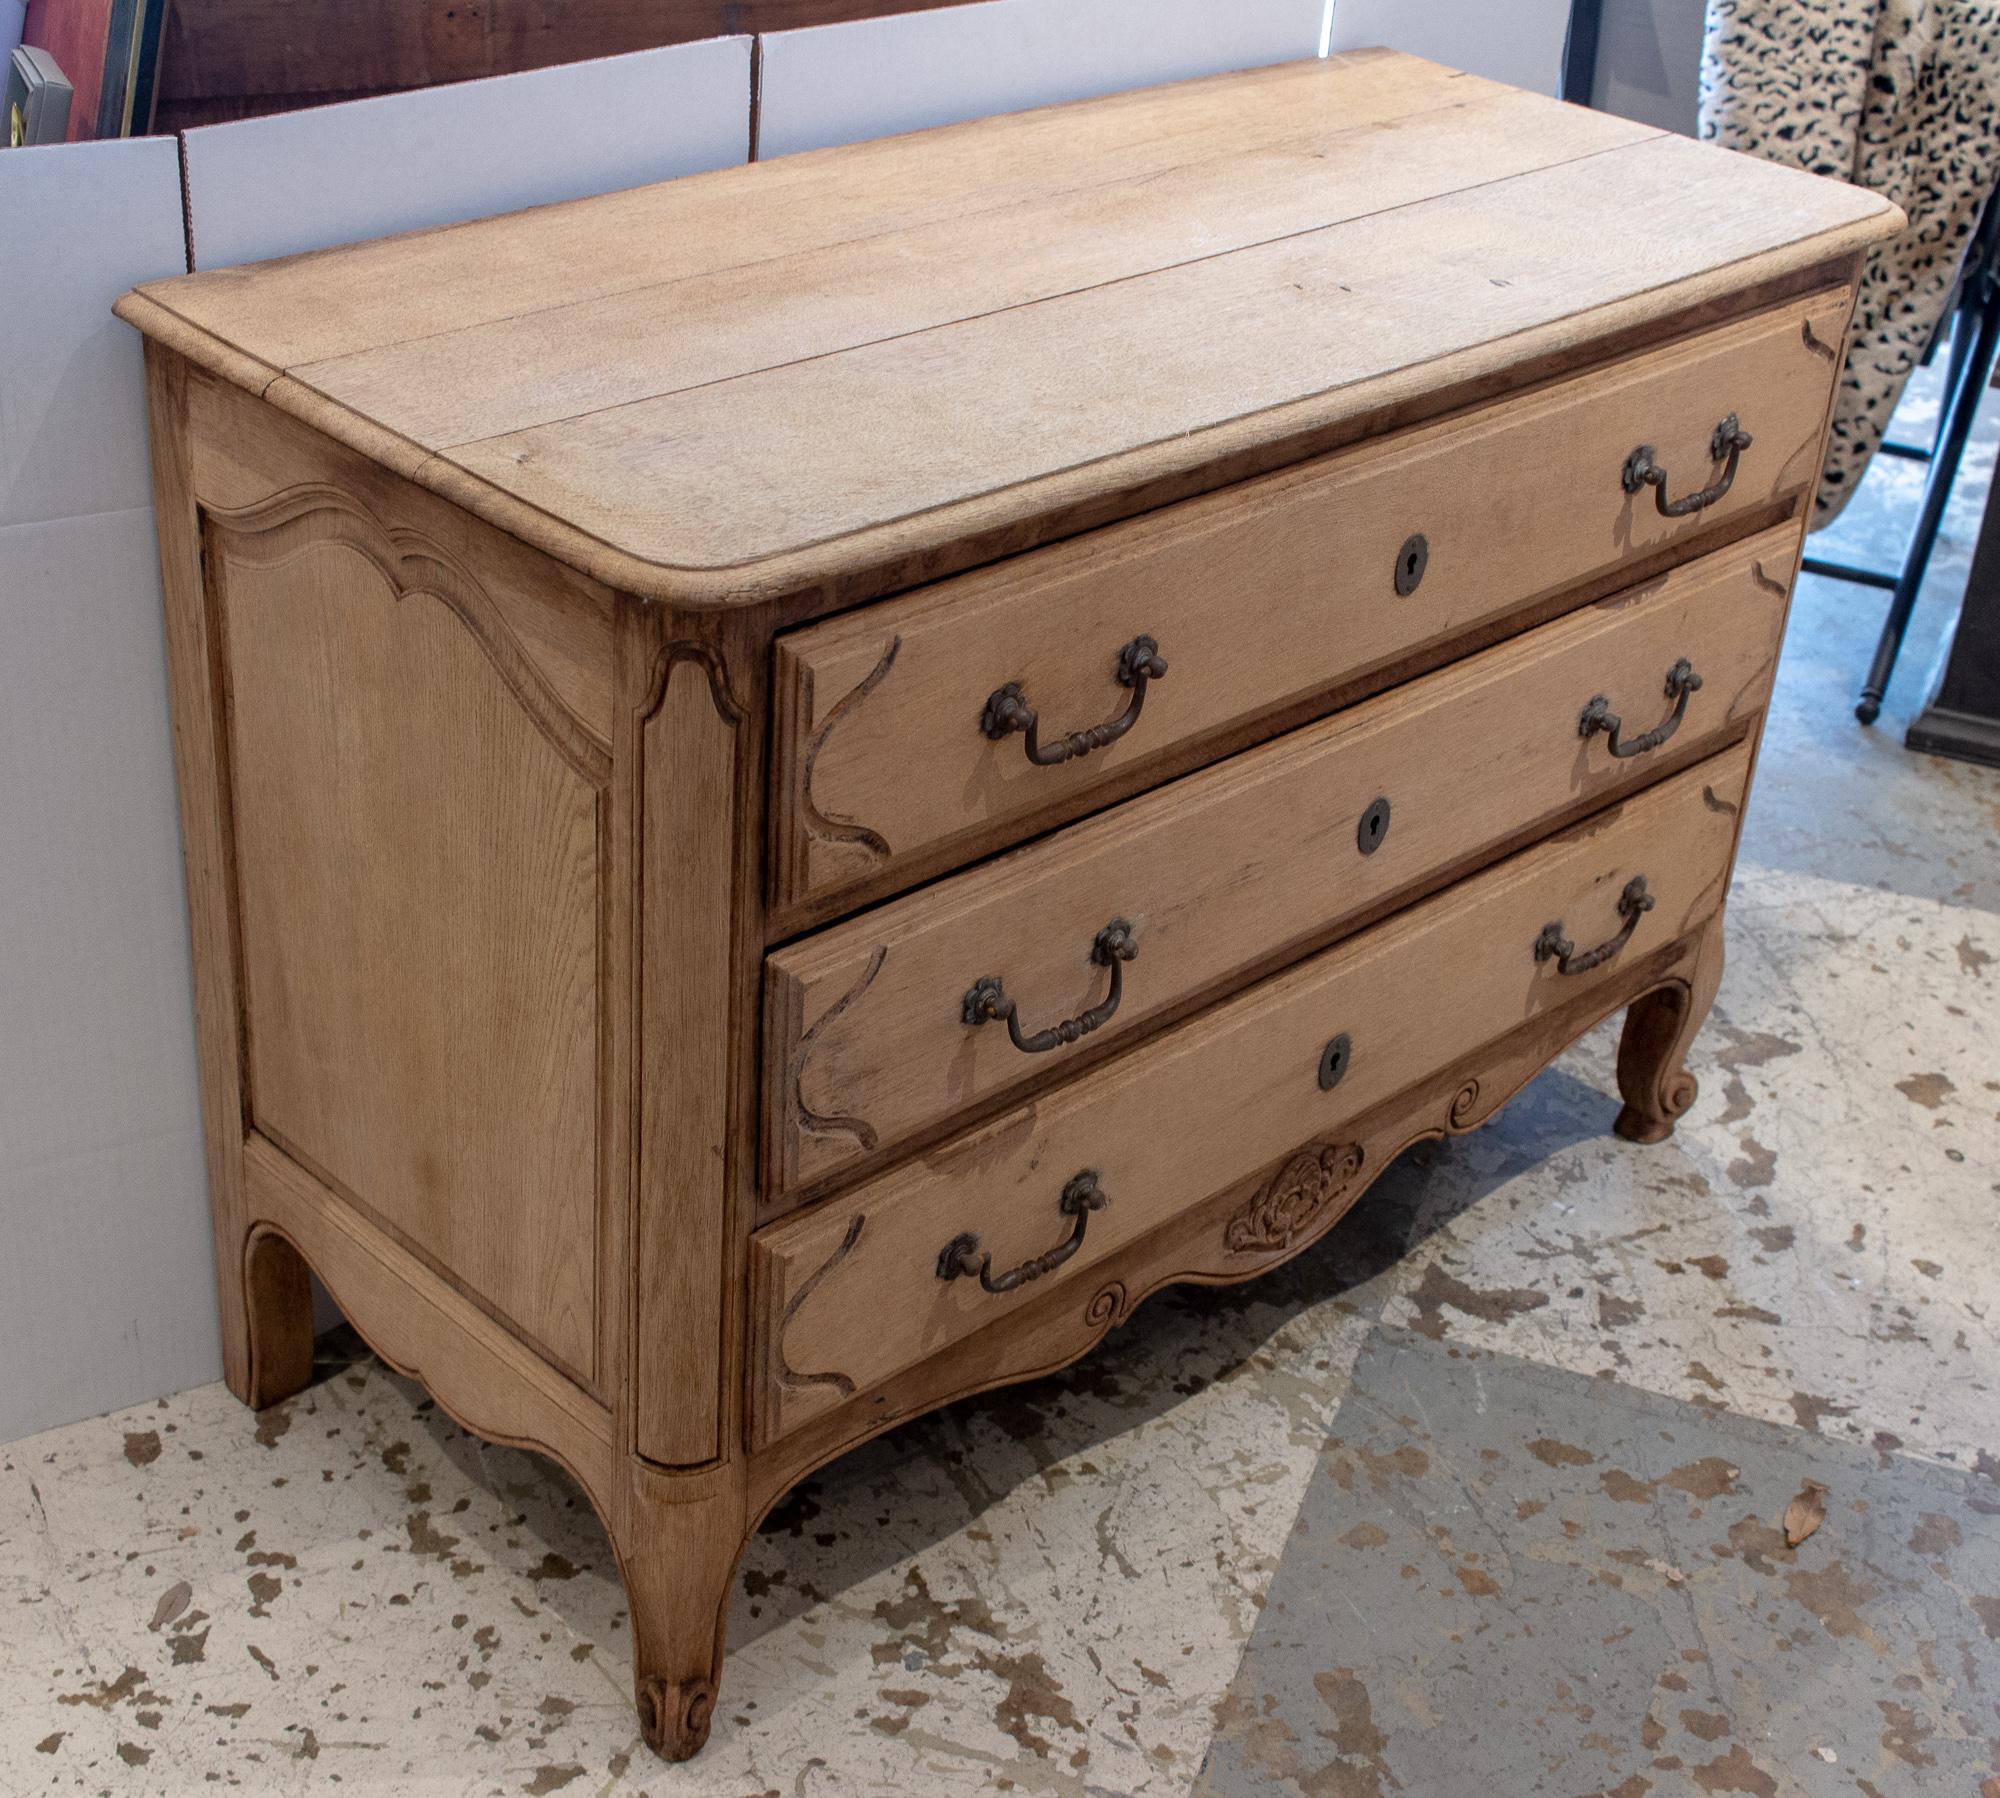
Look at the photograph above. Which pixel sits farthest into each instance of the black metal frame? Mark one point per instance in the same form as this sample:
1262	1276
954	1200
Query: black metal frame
1586	18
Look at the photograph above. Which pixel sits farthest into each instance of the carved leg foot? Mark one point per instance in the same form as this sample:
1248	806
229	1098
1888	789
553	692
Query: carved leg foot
272	1305
1659	1027
680	1570
674	1718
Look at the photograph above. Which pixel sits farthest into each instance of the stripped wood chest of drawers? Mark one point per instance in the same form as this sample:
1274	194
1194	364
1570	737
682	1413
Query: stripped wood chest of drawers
800	785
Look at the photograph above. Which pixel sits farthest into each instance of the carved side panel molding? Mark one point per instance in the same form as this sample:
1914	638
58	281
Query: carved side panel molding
312	515
417	858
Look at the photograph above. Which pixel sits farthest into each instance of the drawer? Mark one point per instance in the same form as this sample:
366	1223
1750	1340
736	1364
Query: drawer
850	1292
1265	600
1244	865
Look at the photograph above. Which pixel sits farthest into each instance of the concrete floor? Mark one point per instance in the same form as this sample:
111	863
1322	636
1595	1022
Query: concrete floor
1481	1497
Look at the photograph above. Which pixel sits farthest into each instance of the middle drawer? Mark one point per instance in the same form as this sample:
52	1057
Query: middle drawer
1175	896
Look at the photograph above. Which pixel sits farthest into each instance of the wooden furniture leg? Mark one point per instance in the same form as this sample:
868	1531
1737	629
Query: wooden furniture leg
277	1308
679	1564
1659	1027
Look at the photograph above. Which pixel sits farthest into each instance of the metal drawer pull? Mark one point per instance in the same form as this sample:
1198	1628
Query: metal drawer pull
1598	715
1079	1199
1007	709
1553	945
1641	470
1116	944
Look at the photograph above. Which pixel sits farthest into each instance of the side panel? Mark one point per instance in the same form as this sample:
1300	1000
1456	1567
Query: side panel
417	803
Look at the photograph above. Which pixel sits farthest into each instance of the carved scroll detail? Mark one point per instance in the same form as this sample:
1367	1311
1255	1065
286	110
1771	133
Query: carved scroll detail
1762	576
1465	1107
823	824
789	1375
310	516
811	1122
1297	1194
704	657
1108	1305
674	1718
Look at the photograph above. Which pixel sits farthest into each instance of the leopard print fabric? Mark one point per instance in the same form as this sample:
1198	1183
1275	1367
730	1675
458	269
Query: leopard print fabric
1902	96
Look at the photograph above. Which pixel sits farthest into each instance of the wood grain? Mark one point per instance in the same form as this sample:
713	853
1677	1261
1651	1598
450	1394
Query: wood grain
1243	866
1258	597
244	454
956	376
528	370
686	958
857	451
850	1292
479	1372
417	825
554	258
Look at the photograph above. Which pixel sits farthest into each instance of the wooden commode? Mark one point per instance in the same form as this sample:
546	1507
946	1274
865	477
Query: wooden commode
800	785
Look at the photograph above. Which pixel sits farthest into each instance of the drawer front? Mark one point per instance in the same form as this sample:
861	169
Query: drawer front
855	1290
1262	599
1246	864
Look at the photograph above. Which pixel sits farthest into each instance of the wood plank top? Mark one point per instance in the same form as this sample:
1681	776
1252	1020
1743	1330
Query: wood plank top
853	369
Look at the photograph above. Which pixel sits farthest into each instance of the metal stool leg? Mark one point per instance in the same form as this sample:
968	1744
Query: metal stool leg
1964	334
1961	406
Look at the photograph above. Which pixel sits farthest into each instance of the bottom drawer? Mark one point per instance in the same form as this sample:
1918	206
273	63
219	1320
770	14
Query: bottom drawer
855	1290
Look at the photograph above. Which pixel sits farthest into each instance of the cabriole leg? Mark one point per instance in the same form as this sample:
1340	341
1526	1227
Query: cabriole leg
679	1562
1659	1027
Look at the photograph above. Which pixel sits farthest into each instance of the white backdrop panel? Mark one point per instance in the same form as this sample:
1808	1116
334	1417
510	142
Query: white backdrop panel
370	168
835	84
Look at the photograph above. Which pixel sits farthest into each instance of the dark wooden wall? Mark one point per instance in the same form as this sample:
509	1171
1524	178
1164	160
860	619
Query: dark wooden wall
228	59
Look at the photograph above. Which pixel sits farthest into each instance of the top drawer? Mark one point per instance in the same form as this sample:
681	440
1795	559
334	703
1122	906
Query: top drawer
1259	597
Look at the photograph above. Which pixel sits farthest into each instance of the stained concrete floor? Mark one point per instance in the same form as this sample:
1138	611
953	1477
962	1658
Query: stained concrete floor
1482	1497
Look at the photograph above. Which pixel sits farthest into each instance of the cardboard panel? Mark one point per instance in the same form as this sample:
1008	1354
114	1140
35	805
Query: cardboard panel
338	174
836	84
83	223
106	1294
1516	41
